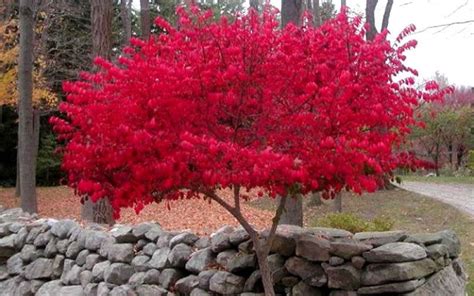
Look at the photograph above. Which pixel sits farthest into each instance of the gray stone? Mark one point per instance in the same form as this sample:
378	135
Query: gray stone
154	232
67	266
436	251
290	281
276	262
140	263
247	247
335	261
343	293
203	242
220	239
15	227
151	277
72	277
199	292
35	285
20	238
29	253
284	242
123	290
451	241
358	262
71	291
238	236
85	278
159	260
61	228
23	288
43	239
15	264
118	273
141	244
311	273
200	260
94	240
151	290
187	284
4	229
51	249
90	289
102	289
140	229
303	289
91	260
136	279
224	282
164	240
7	245
123	234
105	246
32	235
149	249
313	248
395	252
98	271
345	277
58	265
241	262
252	281
82	257
381	273
205	277
348	248
62	246
224	256
120	253
41	268
73	249
179	255
50	288
332	233
425	239
377	239
168	277
401	287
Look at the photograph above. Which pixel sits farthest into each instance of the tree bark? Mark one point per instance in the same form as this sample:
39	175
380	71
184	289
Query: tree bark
26	120
343	3
370	17
291	11
101	18
338	203
386	14
254	5
317	13
145	24
126	21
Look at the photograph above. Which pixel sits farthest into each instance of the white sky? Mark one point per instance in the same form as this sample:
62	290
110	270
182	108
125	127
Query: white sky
449	50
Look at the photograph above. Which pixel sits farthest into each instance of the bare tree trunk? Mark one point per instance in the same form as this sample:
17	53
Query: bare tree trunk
338	203
450	154
126	21
436	160
26	120
343	3
254	5
17	183
291	11
101	17
317	13
370	17
386	14
145	24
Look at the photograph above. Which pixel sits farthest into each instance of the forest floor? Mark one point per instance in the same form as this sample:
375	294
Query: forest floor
410	211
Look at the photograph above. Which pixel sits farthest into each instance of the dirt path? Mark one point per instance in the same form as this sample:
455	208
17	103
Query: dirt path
460	196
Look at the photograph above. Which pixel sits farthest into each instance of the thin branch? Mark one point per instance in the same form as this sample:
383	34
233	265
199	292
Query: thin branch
445	25
276	219
237	197
458	8
386	14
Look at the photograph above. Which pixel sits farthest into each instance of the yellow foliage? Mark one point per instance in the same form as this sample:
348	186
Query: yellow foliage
9	49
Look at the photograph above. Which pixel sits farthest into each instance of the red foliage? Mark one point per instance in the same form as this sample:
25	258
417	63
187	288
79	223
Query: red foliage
210	105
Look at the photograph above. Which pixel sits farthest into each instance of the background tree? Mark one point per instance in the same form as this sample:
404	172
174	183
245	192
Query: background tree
125	15
145	20
370	17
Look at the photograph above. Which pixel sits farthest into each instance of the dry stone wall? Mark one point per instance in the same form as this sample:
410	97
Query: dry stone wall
50	257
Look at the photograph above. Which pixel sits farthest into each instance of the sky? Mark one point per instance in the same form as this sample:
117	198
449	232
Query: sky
447	49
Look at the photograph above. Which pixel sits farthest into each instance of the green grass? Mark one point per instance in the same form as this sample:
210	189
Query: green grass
410	211
440	179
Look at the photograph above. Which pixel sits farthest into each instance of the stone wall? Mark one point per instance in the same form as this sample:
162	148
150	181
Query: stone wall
49	257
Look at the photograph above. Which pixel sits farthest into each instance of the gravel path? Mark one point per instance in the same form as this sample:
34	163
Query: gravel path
460	196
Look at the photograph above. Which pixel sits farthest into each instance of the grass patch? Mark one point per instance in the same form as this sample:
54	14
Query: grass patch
409	211
440	179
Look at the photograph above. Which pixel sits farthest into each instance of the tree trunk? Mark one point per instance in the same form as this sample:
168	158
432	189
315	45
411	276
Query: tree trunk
145	24
460	155
291	11
317	13
26	120
450	154
126	21
343	3
338	203
370	17
101	17
17	183
386	14
254	5
436	160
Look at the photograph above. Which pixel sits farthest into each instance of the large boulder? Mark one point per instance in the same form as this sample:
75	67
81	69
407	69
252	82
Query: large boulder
62	228
179	255
226	283
348	248
311	273
314	248
159	260
187	284
241	262
120	252
200	260
41	268
345	277
118	273
123	234
168	277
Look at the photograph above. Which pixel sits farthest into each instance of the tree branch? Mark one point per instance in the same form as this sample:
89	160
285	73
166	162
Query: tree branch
445	25
275	221
386	14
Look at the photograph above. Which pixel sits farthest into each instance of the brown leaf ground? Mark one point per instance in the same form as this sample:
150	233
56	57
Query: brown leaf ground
197	215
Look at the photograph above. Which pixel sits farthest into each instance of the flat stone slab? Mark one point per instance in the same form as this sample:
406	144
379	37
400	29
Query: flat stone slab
395	252
377	239
401	287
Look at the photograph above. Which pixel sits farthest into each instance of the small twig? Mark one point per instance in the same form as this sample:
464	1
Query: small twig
444	25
